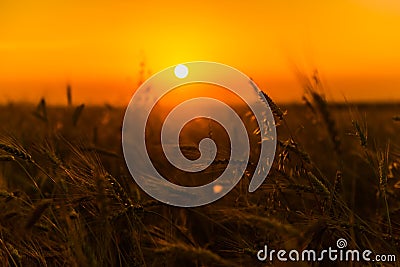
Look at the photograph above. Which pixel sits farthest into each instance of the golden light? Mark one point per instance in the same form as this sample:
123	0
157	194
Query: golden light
387	6
98	46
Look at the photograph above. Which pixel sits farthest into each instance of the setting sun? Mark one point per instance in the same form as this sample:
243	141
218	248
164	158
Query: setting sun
181	71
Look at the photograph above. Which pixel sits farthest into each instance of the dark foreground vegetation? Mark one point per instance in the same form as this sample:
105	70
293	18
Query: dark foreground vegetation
67	199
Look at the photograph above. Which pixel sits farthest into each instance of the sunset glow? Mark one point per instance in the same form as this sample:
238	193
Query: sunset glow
105	49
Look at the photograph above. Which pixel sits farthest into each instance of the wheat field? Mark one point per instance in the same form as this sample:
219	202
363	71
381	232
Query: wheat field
67	198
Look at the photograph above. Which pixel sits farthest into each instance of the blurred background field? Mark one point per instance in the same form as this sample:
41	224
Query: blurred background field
67	197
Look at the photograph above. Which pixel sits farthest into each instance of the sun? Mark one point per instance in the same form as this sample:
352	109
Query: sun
181	71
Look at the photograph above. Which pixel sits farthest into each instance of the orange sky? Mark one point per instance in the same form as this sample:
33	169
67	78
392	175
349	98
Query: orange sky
97	46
